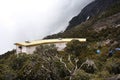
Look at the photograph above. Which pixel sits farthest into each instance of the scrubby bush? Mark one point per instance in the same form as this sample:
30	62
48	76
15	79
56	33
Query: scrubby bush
19	61
76	47
115	68
81	75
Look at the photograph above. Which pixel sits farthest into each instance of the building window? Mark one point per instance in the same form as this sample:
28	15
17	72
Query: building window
20	47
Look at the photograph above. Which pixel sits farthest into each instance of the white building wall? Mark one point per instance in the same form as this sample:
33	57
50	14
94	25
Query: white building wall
31	49
60	46
23	49
17	49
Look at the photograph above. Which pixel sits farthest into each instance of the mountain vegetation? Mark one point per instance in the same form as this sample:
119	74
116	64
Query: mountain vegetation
49	64
79	60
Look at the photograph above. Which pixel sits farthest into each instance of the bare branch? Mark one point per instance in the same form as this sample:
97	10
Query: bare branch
65	65
69	59
89	63
45	68
61	60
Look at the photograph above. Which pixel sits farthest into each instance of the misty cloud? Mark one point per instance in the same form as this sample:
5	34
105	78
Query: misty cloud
22	20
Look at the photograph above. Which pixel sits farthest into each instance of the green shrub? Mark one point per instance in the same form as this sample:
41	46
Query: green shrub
115	68
76	47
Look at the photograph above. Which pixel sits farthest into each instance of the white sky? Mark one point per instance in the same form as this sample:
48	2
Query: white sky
22	20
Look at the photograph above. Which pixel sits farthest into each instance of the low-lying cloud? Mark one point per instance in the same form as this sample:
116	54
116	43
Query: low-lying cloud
22	20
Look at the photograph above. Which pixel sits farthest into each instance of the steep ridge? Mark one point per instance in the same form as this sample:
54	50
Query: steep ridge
90	11
104	26
95	29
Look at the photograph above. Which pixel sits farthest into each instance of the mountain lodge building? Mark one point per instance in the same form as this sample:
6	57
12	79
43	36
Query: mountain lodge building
30	46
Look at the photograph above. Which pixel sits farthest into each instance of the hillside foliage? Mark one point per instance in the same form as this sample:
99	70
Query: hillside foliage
49	64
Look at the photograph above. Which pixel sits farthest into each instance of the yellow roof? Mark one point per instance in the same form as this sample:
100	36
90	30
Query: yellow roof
47	41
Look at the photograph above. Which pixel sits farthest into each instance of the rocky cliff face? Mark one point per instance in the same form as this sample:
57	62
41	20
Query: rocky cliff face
90	11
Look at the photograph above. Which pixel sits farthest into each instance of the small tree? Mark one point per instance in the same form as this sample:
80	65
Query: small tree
47	62
76	47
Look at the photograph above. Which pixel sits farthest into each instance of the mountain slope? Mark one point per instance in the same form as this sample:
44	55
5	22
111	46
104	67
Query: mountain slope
90	11
95	29
101	27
